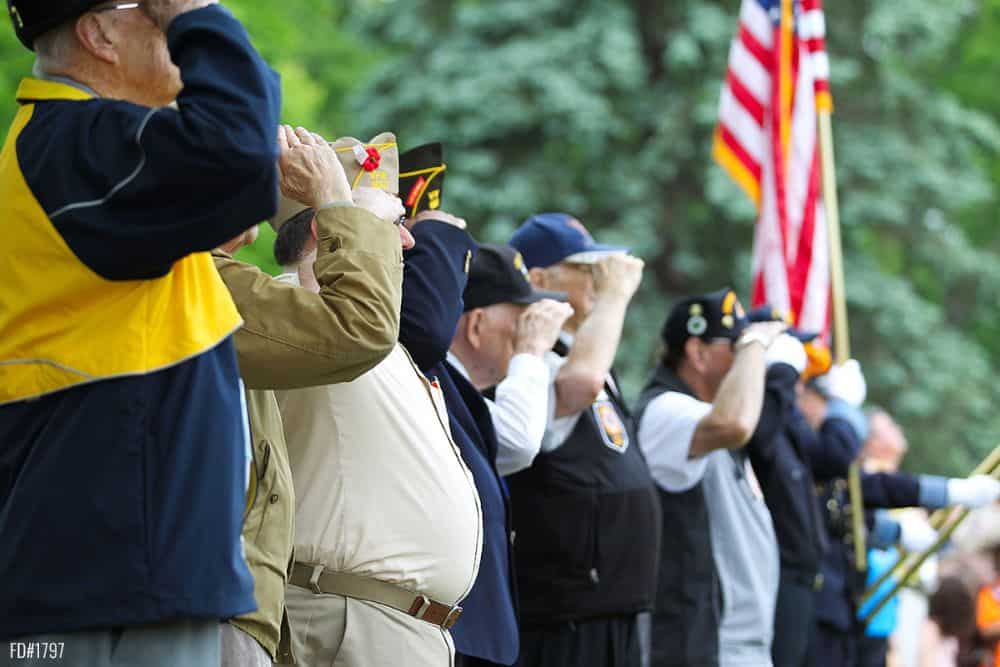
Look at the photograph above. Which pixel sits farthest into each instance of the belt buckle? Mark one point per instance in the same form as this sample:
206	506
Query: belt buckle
420	606
451	618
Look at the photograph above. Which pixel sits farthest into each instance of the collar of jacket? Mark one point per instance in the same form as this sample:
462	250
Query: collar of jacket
38	90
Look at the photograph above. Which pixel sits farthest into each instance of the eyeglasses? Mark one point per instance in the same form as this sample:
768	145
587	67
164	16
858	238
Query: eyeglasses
118	6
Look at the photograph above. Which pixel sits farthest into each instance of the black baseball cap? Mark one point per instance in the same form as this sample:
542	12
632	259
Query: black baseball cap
498	275
34	18
766	313
716	315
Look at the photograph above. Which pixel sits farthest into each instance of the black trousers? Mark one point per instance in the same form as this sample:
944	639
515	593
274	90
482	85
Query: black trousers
832	647
872	651
467	661
600	642
794	618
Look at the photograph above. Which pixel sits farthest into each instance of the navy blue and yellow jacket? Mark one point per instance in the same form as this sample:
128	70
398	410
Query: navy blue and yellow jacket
122	447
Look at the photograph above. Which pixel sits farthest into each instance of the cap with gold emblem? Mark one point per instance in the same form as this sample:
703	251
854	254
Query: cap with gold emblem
498	275
709	316
33	18
373	165
421	178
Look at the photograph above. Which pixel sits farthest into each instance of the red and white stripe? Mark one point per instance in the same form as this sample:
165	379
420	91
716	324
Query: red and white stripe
771	149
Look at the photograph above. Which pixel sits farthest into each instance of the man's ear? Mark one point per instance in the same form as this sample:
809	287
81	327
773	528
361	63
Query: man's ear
97	37
474	320
538	277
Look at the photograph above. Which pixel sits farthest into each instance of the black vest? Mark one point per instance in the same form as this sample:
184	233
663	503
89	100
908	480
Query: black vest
587	521
688	595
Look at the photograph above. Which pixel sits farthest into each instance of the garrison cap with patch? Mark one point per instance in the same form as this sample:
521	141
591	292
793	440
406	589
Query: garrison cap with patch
716	315
549	238
368	165
33	18
498	275
421	178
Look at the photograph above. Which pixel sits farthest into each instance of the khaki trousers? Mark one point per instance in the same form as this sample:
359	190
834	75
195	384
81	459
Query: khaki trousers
241	650
335	631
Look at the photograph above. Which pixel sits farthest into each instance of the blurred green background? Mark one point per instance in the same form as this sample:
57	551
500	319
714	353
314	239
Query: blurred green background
605	109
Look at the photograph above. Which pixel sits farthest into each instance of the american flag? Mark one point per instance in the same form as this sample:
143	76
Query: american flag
767	140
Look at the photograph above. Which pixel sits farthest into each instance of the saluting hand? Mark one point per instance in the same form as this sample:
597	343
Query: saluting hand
618	275
310	171
539	326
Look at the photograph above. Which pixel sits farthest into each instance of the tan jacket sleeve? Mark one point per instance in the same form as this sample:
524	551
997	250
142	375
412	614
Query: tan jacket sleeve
294	338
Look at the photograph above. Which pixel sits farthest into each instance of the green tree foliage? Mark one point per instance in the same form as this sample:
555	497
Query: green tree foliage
606	109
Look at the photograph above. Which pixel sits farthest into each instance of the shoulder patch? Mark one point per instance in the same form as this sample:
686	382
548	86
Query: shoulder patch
610	424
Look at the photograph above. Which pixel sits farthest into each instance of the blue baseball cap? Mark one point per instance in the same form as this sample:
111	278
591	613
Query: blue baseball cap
545	239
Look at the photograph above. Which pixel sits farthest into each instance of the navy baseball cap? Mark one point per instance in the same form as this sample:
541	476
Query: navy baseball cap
708	316
34	18
545	239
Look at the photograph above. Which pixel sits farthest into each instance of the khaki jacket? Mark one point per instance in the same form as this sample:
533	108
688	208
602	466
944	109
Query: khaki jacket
294	338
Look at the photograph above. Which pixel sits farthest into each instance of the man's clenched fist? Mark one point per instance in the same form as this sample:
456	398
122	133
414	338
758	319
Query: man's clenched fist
539	326
618	275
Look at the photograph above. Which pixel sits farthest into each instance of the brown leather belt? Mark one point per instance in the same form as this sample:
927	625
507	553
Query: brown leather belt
320	580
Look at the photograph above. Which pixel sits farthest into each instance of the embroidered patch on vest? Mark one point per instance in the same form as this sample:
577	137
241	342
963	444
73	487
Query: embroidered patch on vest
610	425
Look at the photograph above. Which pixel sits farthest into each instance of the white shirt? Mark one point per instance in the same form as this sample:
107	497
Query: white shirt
520	412
381	489
665	434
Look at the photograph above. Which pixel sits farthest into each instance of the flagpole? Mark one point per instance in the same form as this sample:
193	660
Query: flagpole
841	340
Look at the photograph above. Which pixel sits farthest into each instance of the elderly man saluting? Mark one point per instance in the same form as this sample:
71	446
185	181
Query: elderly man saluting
123	456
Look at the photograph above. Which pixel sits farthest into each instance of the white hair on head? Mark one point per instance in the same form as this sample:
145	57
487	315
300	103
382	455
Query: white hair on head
55	49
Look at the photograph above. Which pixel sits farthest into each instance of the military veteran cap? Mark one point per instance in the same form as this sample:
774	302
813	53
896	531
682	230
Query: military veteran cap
549	238
498	275
33	18
421	178
374	165
709	316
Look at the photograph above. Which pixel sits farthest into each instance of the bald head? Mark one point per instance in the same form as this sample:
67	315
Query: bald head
886	445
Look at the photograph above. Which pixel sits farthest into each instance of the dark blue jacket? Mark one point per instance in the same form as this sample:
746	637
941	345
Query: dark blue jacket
832	450
781	460
121	500
433	282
